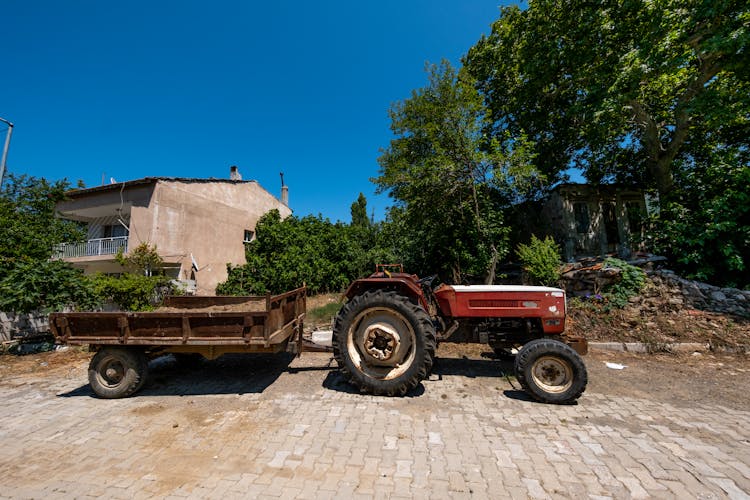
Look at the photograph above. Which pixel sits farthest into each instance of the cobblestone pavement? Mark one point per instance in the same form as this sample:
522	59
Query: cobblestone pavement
277	427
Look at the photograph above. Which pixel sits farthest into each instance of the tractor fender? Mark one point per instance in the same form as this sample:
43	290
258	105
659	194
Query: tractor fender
407	288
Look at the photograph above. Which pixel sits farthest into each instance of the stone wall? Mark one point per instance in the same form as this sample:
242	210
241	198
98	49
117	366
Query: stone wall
667	289
703	296
19	326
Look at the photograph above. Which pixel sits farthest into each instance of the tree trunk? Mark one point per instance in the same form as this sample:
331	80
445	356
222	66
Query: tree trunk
493	265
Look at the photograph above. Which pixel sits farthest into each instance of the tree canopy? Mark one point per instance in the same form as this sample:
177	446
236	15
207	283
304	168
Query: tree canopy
442	173
625	90
312	250
29	229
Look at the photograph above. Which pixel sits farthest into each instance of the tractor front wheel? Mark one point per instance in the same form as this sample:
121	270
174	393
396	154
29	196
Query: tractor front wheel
384	343
551	371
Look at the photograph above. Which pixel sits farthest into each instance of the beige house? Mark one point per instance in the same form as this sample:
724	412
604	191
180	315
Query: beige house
197	225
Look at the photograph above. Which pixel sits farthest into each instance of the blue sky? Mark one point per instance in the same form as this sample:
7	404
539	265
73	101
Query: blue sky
126	90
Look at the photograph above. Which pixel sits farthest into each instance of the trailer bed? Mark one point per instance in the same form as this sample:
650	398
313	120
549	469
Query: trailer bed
187	323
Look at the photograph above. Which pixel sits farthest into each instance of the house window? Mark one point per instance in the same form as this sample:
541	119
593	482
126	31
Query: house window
249	236
581	214
115	231
635	216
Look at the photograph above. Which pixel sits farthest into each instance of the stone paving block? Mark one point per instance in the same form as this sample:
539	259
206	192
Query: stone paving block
315	442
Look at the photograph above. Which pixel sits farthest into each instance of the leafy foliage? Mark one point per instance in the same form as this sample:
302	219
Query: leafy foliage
359	212
630	284
132	292
705	231
29	232
29	280
541	260
45	285
29	229
143	259
448	181
621	90
286	253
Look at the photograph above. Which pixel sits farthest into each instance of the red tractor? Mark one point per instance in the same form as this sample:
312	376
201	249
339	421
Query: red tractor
385	335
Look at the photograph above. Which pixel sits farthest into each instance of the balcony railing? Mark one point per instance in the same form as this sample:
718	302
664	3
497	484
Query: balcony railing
90	248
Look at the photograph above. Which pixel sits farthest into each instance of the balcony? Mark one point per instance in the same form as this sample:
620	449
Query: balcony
92	248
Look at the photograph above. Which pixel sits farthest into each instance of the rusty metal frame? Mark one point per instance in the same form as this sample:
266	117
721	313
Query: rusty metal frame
279	322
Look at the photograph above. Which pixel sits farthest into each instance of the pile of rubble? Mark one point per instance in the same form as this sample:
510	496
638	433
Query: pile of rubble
588	278
701	296
664	289
669	310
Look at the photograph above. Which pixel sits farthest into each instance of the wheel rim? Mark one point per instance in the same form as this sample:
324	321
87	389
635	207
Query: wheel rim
552	374
111	372
381	343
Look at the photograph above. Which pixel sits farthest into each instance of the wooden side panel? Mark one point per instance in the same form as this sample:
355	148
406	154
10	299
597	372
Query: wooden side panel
281	317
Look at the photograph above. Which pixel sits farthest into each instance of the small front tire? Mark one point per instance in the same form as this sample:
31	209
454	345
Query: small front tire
551	371
117	373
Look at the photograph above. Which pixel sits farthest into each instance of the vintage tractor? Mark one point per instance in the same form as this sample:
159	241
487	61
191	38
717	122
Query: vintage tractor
385	335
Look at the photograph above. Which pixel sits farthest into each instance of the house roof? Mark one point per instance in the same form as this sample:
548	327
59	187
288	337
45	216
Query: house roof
147	180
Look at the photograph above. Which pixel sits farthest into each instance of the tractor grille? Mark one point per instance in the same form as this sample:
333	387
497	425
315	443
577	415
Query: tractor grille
481	303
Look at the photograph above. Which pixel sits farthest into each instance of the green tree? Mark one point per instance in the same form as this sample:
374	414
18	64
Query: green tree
619	89
286	253
132	291
447	180
143	259
29	229
541	260
705	230
29	232
359	212
45	285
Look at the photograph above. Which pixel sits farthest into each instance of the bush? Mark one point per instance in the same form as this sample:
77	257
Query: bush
45	285
541	260
312	250
631	283
705	229
133	292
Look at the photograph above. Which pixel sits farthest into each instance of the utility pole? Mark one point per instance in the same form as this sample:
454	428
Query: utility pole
5	150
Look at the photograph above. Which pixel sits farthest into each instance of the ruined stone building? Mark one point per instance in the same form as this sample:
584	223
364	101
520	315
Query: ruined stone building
197	225
586	220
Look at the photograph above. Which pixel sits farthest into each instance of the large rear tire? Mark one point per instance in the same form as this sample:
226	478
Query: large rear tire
551	371
117	373
384	343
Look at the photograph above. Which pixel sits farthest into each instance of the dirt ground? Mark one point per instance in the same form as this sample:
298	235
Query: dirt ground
662	327
677	379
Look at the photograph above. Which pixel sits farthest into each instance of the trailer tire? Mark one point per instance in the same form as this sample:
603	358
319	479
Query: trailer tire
551	371
117	373
384	343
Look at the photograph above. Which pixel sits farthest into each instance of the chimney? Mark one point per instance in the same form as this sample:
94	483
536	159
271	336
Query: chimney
284	191
234	173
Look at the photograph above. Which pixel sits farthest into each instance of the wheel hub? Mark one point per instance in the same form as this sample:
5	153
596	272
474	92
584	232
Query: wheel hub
552	373
113	372
381	341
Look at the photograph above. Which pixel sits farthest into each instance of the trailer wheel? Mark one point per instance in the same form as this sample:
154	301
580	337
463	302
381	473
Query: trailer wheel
117	373
384	344
551	371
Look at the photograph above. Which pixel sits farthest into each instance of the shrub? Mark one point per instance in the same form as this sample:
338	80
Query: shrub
541	260
45	285
630	284
133	292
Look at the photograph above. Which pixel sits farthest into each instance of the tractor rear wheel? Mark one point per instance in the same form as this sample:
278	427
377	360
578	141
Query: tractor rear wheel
551	371
384	343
